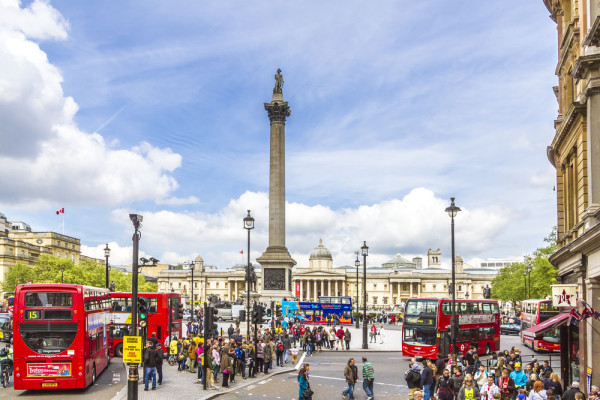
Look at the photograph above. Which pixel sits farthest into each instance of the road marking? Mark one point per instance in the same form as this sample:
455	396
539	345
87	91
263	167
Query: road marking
343	379
300	361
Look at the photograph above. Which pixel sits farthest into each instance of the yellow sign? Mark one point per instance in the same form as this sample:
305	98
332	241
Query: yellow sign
132	349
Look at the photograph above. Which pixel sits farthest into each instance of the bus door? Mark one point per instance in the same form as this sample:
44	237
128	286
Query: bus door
317	316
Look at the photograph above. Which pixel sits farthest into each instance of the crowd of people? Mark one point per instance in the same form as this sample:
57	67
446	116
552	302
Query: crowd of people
505	377
230	355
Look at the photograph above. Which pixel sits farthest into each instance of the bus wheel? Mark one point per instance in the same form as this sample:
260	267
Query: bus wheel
119	350
488	350
94	374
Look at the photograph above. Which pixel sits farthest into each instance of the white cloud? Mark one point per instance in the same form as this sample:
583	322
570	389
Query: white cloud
177	201
410	225
44	155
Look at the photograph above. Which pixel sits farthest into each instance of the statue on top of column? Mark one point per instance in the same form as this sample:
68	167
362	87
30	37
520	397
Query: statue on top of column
278	82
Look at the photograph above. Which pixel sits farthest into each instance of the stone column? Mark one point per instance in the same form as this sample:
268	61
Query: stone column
411	289
322	287
336	288
301	290
343	287
329	288
308	289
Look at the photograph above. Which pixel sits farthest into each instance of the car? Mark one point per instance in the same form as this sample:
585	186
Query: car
5	331
510	329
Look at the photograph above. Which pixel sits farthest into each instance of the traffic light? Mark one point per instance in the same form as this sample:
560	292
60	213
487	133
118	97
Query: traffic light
142	303
209	321
242	315
179	311
256	315
269	312
278	311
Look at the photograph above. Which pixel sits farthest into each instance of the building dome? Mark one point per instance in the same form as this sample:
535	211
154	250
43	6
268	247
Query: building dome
320	253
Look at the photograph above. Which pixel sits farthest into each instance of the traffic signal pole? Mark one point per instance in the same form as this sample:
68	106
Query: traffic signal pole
204	366
133	377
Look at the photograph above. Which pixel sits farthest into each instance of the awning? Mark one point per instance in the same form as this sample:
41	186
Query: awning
546	325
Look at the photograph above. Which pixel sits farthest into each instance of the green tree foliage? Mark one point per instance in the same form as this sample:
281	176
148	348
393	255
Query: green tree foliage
49	269
511	285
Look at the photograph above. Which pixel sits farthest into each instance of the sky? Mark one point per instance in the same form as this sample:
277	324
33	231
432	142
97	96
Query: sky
151	107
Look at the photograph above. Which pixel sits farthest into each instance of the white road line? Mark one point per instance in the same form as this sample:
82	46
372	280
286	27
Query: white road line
300	361
343	379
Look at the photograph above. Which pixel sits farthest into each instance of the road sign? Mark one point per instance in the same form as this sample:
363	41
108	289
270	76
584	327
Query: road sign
132	349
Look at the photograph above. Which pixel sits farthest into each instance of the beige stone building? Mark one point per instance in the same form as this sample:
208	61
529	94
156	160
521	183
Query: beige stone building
575	153
387	286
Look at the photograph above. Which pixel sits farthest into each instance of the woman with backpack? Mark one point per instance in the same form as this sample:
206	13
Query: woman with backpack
279	353
304	390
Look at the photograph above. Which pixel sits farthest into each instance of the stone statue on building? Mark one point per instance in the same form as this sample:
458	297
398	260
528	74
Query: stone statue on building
278	82
213	299
487	292
112	286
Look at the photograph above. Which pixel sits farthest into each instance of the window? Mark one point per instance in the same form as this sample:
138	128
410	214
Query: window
404	287
58	254
121	304
486	308
486	333
58	244
419	336
434	287
346	300
385	300
418	307
460	288
374	300
48	299
48	338
73	247
385	287
374	286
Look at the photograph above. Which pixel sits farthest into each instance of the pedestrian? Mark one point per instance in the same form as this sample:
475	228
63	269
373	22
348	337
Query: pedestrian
347	338
153	339
445	377
469	391
555	384
445	392
279	349
489	389
506	385
200	362
250	351
519	377
417	395
173	348
427	380
216	355
268	358
304	390
368	375
413	379
240	354
372	334
230	331
351	375
381	334
159	363
340	338
210	365
294	354
183	357
150	361
481	377
287	345
260	358
192	356
440	364
225	366
538	392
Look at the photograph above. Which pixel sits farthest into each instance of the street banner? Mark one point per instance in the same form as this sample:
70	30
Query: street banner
298	289
564	295
132	349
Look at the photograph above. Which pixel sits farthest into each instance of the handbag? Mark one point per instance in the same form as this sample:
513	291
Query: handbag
307	394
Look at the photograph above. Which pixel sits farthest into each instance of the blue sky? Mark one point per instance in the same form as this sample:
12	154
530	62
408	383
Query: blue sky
157	107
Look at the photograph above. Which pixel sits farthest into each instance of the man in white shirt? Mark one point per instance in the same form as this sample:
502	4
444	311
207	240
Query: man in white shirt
489	389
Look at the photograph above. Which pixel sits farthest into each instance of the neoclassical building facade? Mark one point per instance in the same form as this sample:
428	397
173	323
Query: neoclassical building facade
387	286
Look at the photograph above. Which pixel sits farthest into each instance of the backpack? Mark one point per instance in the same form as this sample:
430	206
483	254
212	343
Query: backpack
413	376
280	346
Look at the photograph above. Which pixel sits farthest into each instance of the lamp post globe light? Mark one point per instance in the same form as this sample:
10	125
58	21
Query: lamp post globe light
452	211
357	264
248	225
365	253
107	254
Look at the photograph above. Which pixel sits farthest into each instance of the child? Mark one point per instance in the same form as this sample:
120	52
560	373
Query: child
294	354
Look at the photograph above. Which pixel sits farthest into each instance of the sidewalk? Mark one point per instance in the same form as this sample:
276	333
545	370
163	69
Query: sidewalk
184	386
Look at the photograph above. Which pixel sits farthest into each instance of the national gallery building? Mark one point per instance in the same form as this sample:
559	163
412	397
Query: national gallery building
390	284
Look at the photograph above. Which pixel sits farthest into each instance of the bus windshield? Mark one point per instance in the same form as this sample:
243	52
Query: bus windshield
420	307
48	338
420	336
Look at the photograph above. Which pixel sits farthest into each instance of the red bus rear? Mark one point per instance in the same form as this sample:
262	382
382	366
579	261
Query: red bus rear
426	330
60	335
534	312
161	313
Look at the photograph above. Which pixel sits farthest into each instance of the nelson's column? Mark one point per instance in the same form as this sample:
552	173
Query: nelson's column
276	261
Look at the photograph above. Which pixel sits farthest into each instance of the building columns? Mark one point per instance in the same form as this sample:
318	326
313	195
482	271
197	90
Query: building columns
322	287
411	290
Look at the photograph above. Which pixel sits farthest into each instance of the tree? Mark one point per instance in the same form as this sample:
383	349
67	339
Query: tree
511	285
50	269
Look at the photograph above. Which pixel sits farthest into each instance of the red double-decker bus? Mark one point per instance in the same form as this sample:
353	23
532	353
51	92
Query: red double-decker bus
426	330
534	312
60	335
162	313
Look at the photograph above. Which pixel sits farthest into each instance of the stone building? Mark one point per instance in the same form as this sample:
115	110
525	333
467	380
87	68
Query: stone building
575	153
387	286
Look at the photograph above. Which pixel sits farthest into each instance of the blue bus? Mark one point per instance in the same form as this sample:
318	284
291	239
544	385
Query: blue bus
340	307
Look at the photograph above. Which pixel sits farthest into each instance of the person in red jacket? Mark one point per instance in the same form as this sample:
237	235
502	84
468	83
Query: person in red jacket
340	338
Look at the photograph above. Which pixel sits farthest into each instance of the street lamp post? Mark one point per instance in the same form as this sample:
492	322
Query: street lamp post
357	264
192	267
248	225
365	253
132	379
62	271
529	268
452	212
107	254
525	278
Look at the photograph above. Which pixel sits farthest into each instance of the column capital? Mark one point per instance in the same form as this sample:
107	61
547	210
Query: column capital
278	111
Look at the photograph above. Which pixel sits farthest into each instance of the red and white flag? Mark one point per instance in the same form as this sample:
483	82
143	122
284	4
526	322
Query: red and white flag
61	211
241	251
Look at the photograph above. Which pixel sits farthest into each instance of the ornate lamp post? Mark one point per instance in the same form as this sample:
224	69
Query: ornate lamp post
365	253
528	269
132	379
248	225
452	211
62	271
107	254
357	264
192	266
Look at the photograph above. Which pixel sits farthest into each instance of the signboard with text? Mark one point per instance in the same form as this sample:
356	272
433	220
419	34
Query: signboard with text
48	369
297	289
132	349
